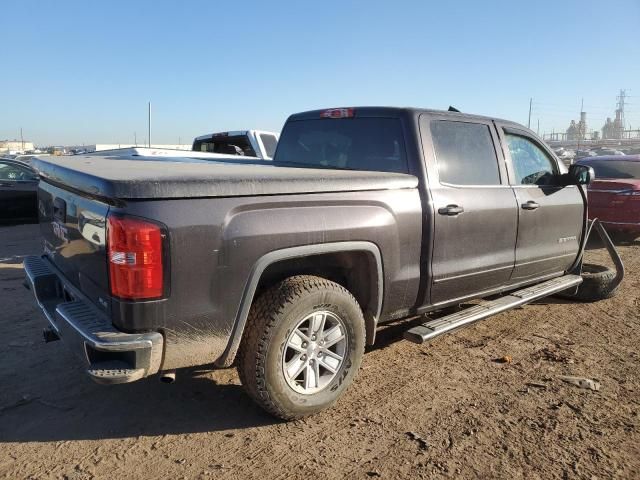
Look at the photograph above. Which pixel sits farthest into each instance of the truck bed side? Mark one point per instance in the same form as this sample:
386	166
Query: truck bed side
216	244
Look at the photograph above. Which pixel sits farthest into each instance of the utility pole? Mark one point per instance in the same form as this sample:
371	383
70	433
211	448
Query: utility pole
135	138
580	124
149	124
621	102
529	122
538	131
22	139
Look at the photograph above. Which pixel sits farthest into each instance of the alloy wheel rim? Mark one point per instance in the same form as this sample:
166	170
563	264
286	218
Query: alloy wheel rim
314	352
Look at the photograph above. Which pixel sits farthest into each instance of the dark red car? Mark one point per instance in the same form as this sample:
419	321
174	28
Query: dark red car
614	196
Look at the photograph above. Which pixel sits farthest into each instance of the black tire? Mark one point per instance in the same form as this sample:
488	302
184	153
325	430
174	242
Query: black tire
272	319
597	284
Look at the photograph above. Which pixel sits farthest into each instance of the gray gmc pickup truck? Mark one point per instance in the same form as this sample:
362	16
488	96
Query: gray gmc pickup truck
286	267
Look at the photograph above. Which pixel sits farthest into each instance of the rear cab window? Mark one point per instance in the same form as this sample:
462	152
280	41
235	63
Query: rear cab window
357	143
465	153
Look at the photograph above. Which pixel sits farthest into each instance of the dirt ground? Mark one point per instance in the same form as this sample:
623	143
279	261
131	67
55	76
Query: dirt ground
446	409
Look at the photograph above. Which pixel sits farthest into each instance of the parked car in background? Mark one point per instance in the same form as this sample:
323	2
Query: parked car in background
614	197
606	151
18	191
249	143
565	155
584	153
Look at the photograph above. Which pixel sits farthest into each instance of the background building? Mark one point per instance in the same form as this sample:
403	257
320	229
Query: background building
14	147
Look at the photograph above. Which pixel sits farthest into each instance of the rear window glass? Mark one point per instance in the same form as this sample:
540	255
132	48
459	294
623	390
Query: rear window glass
465	153
375	144
614	169
270	143
229	145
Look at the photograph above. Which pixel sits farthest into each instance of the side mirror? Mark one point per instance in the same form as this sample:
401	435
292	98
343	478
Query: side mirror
581	174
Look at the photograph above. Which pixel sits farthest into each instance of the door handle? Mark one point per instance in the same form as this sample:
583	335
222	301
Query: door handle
530	205
451	210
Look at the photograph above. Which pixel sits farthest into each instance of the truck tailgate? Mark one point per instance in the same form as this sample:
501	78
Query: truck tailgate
73	229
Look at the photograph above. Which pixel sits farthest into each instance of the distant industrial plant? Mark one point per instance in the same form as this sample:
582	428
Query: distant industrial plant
611	130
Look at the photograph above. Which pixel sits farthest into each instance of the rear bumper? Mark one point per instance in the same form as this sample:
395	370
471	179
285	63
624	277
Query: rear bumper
111	356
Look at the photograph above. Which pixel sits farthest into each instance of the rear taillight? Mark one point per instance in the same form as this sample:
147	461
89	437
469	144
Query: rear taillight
135	255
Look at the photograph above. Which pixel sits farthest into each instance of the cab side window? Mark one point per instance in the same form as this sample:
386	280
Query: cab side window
465	153
531	165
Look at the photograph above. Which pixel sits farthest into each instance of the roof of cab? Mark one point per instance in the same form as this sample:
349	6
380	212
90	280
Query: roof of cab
398	112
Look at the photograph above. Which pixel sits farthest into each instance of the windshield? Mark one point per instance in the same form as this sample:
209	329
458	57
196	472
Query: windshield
614	169
375	144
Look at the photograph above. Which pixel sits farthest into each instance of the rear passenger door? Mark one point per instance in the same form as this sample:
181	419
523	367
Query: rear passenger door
550	215
475	213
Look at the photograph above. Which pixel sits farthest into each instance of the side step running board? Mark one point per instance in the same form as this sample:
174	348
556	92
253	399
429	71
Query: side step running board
433	328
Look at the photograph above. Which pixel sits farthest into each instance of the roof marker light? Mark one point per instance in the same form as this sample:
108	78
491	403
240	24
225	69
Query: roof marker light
338	113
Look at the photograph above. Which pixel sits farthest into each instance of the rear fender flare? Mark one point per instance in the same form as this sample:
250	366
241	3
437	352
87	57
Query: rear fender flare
270	258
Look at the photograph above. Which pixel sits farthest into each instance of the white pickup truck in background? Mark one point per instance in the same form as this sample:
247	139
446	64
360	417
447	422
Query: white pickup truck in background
249	143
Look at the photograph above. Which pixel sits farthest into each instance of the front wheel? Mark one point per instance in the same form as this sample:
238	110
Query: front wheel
302	347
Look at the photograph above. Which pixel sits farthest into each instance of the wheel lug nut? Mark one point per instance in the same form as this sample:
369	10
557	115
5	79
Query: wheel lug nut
304	344
313	337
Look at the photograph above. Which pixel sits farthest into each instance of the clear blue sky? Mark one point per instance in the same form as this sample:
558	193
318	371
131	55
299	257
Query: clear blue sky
83	71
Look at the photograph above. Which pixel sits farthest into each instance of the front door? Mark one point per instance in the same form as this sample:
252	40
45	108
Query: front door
475	212
551	216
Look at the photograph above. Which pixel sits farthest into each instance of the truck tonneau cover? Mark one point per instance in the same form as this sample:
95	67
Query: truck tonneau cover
183	178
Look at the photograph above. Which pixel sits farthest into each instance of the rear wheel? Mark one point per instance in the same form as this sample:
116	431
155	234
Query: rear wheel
303	345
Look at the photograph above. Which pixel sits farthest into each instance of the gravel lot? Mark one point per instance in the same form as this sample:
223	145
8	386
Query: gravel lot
446	409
